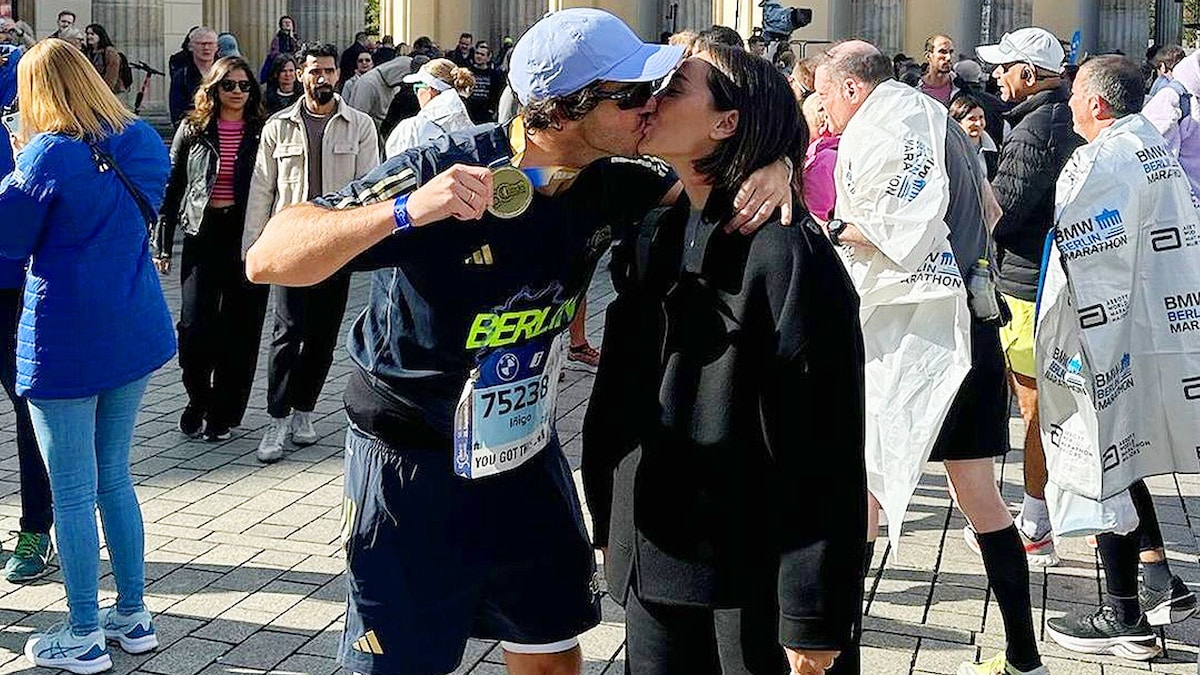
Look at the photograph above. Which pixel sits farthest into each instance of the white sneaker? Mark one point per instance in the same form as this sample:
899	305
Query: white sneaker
303	432
270	449
134	632
60	648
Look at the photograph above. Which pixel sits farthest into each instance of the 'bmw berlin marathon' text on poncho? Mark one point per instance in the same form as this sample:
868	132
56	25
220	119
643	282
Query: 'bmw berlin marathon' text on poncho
892	185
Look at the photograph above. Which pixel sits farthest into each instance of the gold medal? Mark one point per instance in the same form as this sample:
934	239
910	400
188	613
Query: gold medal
512	192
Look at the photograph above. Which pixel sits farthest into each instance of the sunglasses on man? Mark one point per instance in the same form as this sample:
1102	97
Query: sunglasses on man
228	86
630	97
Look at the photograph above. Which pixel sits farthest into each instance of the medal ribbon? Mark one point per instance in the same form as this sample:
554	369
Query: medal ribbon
548	180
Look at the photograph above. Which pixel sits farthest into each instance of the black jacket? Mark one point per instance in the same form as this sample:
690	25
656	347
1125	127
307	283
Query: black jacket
735	368
185	80
194	156
1041	141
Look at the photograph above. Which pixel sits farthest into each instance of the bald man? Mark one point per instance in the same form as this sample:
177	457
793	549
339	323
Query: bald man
927	354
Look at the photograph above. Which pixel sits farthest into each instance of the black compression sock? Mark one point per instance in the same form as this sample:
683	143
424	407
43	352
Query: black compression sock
1008	571
1119	556
1156	575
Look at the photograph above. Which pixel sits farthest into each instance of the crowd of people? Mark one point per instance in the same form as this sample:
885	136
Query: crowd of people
828	273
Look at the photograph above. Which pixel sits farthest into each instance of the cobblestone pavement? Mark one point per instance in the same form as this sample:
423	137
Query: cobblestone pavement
243	562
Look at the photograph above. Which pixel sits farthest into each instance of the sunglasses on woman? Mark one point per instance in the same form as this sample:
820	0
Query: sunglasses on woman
228	86
631	97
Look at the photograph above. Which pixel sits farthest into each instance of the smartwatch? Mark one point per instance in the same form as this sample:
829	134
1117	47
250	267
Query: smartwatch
400	215
835	228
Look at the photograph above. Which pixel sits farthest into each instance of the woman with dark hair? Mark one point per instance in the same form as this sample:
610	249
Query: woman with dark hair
968	111
221	317
282	88
100	51
286	41
738	526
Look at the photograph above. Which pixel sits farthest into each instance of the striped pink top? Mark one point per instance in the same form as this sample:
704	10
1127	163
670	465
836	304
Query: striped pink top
229	138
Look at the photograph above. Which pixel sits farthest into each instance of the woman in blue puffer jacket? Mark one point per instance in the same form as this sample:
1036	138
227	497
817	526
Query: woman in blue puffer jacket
93	329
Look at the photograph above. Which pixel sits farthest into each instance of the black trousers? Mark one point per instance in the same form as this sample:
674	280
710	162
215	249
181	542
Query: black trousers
307	323
672	639
37	514
220	320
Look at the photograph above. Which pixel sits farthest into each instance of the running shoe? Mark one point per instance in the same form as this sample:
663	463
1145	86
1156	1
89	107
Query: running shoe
60	648
214	432
270	449
1103	631
134	632
190	422
998	665
1174	604
585	355
303	432
1039	552
31	558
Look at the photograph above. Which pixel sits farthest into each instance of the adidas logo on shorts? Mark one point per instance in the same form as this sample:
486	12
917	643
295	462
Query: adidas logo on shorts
368	644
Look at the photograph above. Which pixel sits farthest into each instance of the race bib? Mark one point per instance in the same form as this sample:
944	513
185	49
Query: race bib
505	415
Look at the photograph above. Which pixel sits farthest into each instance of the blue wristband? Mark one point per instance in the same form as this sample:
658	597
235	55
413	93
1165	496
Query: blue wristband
400	215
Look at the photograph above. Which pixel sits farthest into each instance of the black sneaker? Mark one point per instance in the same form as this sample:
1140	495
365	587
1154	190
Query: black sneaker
217	432
190	422
1173	604
1102	631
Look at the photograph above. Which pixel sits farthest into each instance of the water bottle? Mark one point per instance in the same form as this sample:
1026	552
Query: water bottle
981	290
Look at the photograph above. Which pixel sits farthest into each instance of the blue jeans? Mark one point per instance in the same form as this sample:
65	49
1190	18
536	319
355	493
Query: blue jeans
86	442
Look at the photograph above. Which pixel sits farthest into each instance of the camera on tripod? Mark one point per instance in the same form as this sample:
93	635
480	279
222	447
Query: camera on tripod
779	22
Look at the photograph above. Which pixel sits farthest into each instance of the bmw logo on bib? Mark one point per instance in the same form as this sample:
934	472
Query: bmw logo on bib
507	367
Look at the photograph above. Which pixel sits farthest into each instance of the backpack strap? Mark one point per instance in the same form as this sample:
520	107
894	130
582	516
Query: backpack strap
1185	98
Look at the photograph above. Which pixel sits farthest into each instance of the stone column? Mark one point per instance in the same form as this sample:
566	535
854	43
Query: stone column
216	15
136	27
514	18
255	23
966	27
1007	16
1123	25
1168	20
333	21
880	22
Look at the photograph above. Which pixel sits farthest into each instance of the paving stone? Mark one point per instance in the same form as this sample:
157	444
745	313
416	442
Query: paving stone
263	650
243	559
187	656
309	617
307	664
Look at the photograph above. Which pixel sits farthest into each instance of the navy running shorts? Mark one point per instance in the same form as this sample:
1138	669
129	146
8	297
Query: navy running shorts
434	559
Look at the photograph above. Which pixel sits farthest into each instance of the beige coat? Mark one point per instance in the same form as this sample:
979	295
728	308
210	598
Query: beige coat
280	180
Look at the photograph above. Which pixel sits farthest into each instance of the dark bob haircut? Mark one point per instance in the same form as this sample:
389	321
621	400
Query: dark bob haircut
769	124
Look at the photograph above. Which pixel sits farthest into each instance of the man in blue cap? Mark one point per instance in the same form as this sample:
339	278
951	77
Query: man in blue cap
461	517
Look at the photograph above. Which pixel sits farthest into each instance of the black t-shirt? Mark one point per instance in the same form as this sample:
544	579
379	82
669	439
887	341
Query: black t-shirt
481	104
451	296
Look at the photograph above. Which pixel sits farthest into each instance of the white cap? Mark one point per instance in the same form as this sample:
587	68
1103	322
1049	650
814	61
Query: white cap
423	76
1035	46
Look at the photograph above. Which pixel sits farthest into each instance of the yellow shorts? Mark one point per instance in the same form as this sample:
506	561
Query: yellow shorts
1017	337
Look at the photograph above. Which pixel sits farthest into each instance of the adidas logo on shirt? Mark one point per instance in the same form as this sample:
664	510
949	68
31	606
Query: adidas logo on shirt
368	644
482	257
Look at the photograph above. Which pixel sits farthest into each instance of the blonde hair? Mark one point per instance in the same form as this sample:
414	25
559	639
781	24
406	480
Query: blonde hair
61	92
686	39
460	79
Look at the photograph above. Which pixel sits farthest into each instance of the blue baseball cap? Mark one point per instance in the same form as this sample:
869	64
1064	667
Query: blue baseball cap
567	50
